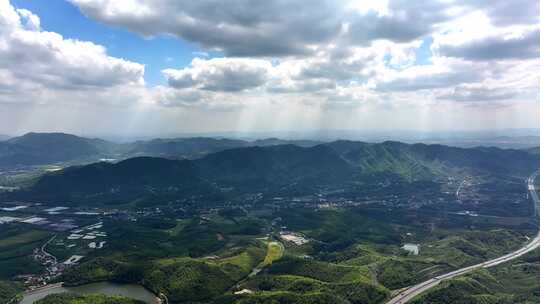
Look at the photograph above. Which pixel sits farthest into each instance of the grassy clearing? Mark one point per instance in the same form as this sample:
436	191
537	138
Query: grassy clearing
178	228
246	260
274	252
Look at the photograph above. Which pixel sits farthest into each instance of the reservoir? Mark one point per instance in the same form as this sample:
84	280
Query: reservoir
111	289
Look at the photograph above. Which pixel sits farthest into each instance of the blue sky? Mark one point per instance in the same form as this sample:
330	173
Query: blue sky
156	54
281	65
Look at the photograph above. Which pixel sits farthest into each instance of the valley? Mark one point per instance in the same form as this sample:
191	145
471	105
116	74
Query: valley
269	152
327	223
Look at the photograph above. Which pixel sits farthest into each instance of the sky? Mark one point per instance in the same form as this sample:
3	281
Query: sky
130	67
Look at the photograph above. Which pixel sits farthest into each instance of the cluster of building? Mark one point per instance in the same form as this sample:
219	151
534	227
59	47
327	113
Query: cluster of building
294	238
73	260
97	245
50	262
467	213
88	233
413	249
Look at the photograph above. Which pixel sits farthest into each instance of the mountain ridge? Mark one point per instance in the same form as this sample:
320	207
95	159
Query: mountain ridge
45	148
252	169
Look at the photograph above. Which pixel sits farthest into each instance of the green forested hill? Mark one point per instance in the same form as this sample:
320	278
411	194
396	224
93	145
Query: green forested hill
86	299
182	279
8	291
426	160
46	148
257	168
515	282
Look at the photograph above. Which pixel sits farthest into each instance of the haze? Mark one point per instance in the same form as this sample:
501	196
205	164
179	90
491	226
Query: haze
141	66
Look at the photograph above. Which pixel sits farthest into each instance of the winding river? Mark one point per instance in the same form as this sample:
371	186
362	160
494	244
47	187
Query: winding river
127	290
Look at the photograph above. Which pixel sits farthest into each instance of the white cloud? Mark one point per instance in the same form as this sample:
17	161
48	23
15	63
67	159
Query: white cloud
478	93
220	74
441	74
272	28
41	58
29	20
476	37
324	48
237	27
341	63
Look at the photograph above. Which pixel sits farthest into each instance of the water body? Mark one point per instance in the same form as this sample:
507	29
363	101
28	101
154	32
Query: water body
111	289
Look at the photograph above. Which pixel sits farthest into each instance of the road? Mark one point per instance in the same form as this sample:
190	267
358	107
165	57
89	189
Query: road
163	297
413	291
41	289
459	189
44	247
532	191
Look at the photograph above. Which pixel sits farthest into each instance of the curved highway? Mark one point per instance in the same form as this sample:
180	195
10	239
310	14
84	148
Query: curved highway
534	195
43	250
413	291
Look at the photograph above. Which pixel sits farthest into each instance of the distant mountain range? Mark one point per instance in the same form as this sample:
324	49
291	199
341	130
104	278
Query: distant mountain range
535	150
505	142
47	148
255	169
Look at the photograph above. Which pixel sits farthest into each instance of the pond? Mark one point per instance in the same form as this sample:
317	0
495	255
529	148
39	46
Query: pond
127	290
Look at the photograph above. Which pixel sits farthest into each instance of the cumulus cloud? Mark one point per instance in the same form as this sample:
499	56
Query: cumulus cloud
475	93
524	45
401	21
271	28
220	74
305	86
237	27
506	13
310	56
336	64
325	48
443	73
46	59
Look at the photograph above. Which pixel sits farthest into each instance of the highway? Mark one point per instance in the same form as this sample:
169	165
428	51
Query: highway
459	189
532	191
43	250
413	291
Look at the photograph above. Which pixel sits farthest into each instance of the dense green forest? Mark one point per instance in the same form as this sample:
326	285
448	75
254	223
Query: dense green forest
222	227
9	291
252	169
86	299
359	264
181	279
515	282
